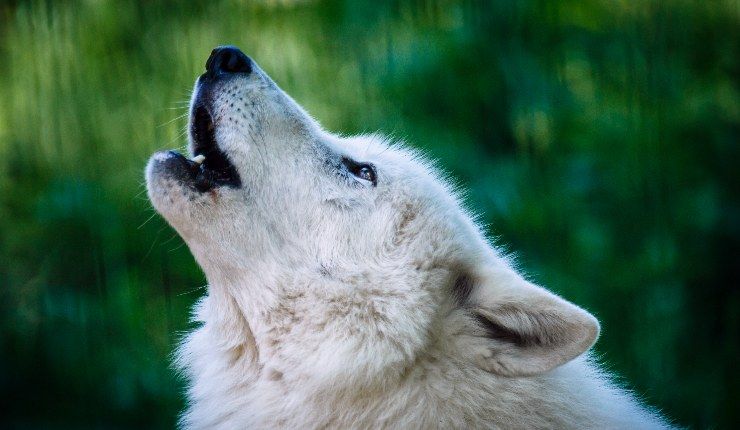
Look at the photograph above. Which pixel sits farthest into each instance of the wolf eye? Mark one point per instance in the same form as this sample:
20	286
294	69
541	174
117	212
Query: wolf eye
362	171
367	173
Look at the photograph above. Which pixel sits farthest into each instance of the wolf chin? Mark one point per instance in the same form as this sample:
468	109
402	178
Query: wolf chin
349	288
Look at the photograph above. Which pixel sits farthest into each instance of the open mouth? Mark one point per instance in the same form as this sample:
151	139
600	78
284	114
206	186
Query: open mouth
210	166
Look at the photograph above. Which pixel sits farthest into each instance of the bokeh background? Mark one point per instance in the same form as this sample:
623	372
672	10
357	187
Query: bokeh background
599	140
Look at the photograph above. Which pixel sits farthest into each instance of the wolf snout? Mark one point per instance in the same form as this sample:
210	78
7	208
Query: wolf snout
226	60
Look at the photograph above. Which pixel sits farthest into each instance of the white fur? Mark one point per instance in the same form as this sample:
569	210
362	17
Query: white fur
333	303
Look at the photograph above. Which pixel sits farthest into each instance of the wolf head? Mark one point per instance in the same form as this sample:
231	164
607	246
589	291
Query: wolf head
348	257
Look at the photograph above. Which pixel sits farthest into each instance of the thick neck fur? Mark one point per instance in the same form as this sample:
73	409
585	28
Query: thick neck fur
242	375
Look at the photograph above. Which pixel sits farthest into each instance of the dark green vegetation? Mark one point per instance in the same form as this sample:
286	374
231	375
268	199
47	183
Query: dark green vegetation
599	141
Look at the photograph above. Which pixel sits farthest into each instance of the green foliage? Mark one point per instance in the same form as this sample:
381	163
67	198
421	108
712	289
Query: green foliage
597	139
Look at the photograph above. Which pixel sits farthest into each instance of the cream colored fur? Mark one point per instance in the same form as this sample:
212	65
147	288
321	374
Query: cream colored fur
333	303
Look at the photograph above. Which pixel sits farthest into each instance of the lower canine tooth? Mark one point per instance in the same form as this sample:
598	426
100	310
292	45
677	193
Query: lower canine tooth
198	159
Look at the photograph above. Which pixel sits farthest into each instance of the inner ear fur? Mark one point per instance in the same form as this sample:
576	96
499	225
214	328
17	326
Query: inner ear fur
525	330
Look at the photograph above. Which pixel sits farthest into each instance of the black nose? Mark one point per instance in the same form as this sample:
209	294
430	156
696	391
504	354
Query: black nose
228	59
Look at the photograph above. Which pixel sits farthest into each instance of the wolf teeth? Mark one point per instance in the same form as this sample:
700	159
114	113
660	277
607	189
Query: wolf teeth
198	159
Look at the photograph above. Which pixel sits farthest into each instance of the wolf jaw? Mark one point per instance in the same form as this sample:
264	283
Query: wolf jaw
348	288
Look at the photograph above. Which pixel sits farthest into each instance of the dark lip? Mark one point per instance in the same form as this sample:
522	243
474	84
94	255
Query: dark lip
216	170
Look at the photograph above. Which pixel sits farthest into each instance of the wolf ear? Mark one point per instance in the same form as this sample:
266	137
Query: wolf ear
525	329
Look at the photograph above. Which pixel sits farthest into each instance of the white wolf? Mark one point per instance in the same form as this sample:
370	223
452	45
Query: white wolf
348	288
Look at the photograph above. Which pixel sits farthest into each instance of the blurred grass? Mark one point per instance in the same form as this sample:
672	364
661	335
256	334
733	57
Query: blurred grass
598	139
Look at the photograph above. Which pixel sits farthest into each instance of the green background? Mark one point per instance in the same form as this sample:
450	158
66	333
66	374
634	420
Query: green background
599	141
